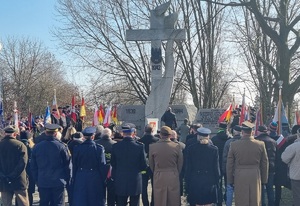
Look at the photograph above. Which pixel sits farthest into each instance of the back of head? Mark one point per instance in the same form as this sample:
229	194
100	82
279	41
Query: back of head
165	132
106	132
149	128
99	129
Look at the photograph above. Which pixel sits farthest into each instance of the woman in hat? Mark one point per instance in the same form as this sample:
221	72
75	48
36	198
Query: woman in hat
202	170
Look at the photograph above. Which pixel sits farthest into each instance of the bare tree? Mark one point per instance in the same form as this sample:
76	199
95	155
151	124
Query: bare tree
30	73
94	31
279	21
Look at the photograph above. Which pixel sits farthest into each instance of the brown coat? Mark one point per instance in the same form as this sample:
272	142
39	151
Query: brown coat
166	160
247	169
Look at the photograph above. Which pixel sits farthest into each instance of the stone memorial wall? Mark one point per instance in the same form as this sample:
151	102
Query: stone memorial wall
209	118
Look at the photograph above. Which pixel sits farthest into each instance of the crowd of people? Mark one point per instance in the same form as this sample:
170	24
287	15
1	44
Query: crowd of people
108	166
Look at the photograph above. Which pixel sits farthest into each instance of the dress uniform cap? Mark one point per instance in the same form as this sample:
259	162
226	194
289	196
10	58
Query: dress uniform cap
165	130
10	129
247	126
89	131
128	127
203	131
52	127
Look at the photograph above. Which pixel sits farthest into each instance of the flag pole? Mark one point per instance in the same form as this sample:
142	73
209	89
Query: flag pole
280	82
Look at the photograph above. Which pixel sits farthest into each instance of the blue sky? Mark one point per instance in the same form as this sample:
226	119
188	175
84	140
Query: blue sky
35	19
28	18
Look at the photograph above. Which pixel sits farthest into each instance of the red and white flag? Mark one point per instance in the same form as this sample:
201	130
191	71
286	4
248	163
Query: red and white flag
107	119
73	111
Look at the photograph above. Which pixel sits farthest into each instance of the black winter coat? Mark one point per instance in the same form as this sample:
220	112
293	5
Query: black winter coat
127	161
219	140
270	145
13	161
202	173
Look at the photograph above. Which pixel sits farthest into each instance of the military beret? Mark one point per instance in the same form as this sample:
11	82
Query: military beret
165	130
128	127
10	129
202	131
247	126
52	127
89	131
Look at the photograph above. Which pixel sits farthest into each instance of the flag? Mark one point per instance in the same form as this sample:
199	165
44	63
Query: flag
101	114
225	114
280	141
258	120
283	115
1	108
297	118
1	114
47	119
16	115
55	106
243	111
284	119
95	119
73	111
114	114
29	123
82	109
107	119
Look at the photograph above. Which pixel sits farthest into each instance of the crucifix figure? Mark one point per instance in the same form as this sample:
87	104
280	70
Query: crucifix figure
161	29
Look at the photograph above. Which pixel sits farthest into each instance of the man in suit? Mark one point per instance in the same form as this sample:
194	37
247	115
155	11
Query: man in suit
247	167
127	161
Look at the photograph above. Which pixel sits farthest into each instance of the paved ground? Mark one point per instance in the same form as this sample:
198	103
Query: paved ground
286	198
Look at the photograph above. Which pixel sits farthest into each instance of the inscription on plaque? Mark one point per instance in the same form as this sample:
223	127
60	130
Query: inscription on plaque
130	111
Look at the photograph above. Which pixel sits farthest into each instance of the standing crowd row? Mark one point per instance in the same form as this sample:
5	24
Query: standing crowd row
116	171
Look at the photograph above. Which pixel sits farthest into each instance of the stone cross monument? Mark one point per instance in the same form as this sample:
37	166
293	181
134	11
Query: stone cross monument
161	29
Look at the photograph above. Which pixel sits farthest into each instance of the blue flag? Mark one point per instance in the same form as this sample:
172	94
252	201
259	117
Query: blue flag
1	108
47	119
1	115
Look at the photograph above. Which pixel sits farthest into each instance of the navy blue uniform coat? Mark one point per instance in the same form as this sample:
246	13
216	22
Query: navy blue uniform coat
89	174
51	163
202	173
127	161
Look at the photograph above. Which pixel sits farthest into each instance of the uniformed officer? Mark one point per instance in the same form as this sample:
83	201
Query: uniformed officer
89	171
127	161
50	165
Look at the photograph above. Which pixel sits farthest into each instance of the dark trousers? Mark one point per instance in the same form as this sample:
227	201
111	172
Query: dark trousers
52	196
145	178
111	196
268	188
122	200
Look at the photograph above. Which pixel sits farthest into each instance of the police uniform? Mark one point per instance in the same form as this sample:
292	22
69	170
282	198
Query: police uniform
128	160
89	172
50	166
